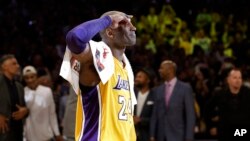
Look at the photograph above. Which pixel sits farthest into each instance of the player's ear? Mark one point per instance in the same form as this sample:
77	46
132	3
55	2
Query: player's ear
109	33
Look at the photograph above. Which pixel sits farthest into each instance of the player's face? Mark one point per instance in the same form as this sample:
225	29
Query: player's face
234	79
125	33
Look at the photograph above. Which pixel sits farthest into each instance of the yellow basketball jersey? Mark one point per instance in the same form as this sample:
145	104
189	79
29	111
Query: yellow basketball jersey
104	113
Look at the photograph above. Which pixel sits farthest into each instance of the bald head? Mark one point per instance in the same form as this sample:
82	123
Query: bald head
114	16
170	64
102	33
112	13
167	70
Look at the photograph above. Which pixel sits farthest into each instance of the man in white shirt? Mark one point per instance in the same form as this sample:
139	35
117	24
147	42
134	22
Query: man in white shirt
41	125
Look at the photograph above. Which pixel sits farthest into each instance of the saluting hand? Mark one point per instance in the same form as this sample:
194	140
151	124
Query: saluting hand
118	19
20	113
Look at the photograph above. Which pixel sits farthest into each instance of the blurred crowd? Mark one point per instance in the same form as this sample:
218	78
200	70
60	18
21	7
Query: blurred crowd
203	39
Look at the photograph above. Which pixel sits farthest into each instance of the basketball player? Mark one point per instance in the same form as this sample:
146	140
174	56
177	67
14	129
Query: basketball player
104	108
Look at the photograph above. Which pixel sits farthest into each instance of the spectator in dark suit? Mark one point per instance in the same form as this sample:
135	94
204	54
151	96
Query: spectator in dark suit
12	109
173	115
229	108
145	102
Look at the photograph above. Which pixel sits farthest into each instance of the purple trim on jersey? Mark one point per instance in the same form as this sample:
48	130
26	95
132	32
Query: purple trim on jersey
91	111
78	37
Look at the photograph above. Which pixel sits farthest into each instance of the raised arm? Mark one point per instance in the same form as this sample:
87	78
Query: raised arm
78	37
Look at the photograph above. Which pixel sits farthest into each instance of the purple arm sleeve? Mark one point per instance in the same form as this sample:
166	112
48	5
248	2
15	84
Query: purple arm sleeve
78	37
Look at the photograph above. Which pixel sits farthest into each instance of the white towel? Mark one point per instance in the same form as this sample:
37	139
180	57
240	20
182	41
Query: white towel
131	82
70	70
103	62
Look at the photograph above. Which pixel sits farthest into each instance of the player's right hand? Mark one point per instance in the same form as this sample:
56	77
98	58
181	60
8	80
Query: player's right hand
3	124
118	19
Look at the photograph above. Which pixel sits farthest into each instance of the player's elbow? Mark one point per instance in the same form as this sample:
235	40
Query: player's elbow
74	42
